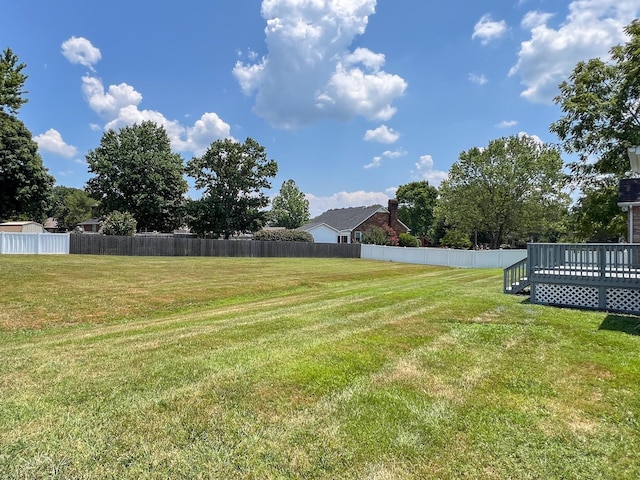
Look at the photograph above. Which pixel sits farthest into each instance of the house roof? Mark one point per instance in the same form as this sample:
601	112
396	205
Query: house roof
91	221
18	224
343	219
629	191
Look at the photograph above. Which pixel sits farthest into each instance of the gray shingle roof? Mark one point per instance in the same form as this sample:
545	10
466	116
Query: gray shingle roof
344	218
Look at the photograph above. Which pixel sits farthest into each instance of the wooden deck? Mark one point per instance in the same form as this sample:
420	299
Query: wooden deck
595	276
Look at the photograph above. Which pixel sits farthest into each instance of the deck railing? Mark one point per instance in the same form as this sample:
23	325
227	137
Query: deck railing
516	277
589	262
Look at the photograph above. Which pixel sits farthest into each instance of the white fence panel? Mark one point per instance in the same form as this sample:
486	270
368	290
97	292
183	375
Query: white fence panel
445	256
34	243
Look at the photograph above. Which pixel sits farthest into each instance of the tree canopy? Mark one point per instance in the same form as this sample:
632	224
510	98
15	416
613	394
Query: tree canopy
25	183
510	186
135	171
290	208
601	111
416	203
11	83
232	176
70	206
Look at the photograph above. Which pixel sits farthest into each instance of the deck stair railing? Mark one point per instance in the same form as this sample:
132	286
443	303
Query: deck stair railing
516	277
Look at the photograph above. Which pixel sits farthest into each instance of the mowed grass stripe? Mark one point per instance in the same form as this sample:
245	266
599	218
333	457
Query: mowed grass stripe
349	370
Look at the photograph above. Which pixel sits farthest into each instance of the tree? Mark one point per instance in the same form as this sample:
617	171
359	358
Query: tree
70	206
118	223
232	176
290	208
136	171
416	202
596	216
506	187
601	107
11	82
384	235
25	183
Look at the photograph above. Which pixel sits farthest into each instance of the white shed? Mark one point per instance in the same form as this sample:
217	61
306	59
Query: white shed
22	227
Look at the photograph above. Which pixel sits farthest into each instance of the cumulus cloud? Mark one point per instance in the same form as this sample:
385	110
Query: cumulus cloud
79	50
507	124
424	170
309	72
382	134
360	198
118	106
478	79
377	161
51	141
590	29
487	29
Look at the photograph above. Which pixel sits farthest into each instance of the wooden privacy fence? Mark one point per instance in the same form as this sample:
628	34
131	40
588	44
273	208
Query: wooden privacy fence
199	247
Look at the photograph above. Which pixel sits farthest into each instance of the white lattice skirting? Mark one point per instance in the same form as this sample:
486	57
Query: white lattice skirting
617	299
569	295
623	299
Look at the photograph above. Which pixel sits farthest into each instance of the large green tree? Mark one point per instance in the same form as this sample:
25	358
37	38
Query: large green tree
416	203
601	111
25	183
596	216
135	171
232	176
11	82
290	208
70	206
513	185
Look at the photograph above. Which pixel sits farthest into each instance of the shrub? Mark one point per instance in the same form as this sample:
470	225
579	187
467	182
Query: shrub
118	223
408	240
456	239
283	236
384	235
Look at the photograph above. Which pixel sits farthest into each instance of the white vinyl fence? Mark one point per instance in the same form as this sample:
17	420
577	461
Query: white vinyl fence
447	257
34	243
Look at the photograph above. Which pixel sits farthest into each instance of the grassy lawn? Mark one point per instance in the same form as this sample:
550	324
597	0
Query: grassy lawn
120	367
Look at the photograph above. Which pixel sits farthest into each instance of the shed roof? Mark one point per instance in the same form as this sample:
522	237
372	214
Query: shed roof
629	191
18	224
344	218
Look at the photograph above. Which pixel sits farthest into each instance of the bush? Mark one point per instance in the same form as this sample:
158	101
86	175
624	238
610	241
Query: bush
117	223
456	239
283	236
408	240
384	235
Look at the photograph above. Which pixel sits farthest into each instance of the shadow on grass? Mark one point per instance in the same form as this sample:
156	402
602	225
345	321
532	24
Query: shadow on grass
621	323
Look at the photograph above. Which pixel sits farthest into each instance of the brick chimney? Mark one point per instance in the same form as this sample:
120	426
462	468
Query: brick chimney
393	215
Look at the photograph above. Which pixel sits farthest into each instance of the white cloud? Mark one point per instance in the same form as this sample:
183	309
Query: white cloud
591	28
109	103
51	141
118	106
487	30
79	50
478	79
377	161
361	198
425	171
309	72
507	124
382	134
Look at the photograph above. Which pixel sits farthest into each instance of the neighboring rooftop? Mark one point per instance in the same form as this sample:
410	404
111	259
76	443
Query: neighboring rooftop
344	218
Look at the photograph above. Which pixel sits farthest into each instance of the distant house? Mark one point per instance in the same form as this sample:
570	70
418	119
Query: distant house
51	226
348	225
91	225
22	227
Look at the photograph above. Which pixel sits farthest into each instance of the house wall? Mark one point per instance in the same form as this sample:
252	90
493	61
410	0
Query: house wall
379	220
324	234
636	224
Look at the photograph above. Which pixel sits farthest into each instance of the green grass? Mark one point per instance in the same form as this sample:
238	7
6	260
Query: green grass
114	367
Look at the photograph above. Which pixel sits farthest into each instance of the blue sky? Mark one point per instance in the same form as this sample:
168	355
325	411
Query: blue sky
352	98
